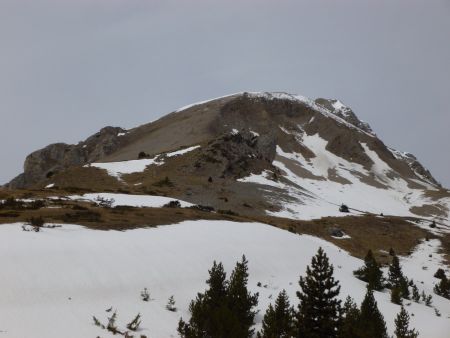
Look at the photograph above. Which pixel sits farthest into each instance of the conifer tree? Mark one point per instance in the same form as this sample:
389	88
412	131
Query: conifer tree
395	274
240	301
396	297
319	312
224	310
208	309
371	318
397	279
443	288
278	321
402	326
371	272
415	293
350	327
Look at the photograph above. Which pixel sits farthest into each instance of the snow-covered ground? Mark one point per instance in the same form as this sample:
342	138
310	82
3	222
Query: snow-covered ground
321	196
117	169
54	281
138	201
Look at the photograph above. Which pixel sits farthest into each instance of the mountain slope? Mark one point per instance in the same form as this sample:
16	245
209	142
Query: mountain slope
253	153
70	274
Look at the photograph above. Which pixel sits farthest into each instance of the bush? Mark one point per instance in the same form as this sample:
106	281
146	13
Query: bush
104	202
440	273
204	208
135	323
171	304
344	208
145	295
143	155
37	223
172	204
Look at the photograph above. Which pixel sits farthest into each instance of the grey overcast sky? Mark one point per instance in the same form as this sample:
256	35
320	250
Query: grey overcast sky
70	67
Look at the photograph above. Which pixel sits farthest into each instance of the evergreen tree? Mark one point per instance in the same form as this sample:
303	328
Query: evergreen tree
240	301
396	297
443	288
208	309
402	326
371	272
350	327
440	273
415	293
397	279
395	274
278	321
225	309
371	318
319	312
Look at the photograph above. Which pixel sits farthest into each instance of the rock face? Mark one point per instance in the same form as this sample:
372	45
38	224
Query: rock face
344	112
239	153
44	163
240	134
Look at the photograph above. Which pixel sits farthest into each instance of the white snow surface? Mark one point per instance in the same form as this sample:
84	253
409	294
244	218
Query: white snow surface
321	196
182	151
54	281
138	201
117	169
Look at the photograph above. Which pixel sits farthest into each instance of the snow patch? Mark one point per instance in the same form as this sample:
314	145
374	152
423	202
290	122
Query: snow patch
138	201
182	151
117	169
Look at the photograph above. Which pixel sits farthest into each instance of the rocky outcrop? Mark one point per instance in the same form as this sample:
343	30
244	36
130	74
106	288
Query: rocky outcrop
239	153
44	163
337	108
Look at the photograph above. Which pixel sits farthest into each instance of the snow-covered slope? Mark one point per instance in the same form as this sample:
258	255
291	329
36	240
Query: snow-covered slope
54	281
315	187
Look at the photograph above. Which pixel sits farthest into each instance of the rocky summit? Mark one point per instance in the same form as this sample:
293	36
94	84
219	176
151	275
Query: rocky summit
253	153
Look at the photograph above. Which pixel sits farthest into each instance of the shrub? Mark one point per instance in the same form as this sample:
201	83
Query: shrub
104	202
172	204
112	327
135	323
36	223
204	208
145	295
171	304
143	155
344	208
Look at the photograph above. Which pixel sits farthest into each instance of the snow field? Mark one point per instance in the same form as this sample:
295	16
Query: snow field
55	280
